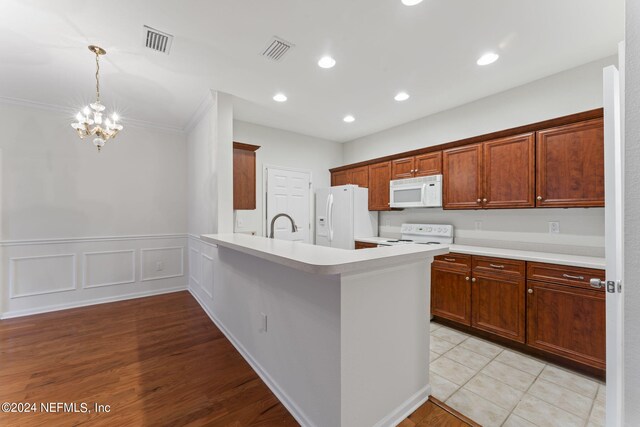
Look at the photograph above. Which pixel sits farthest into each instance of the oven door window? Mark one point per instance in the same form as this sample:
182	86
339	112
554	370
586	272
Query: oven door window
408	195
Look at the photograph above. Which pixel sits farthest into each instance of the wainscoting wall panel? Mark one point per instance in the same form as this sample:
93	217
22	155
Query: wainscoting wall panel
41	274
202	256
47	275
98	268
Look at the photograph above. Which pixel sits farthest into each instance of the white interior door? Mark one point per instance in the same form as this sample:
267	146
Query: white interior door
288	191
614	221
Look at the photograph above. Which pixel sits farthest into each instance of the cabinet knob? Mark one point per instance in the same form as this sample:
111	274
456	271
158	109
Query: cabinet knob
479	200
466	278
539	197
530	291
484	200
473	280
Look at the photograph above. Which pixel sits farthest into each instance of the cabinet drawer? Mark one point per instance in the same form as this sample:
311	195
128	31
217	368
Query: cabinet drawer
454	260
498	265
563	274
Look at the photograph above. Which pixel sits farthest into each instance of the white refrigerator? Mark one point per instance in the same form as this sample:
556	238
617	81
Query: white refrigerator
342	216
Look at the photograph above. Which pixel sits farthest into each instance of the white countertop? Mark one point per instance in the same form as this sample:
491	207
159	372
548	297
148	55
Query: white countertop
534	256
321	259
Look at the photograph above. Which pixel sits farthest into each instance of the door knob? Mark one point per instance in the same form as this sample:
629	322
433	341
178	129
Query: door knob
597	283
530	291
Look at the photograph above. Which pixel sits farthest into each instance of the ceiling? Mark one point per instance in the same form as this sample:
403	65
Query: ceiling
381	47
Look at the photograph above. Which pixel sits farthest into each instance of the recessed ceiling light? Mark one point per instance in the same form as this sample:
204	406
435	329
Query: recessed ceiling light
488	58
401	96
326	62
280	97
349	119
411	2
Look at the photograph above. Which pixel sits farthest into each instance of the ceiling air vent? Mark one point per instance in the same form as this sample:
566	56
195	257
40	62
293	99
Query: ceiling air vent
277	48
157	40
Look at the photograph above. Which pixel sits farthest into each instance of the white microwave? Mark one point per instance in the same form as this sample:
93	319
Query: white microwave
421	192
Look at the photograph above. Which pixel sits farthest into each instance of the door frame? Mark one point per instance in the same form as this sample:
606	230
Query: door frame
265	188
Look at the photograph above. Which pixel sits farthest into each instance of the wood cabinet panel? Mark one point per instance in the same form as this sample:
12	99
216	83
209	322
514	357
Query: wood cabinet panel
364	245
428	164
509	172
567	321
244	176
360	177
563	274
453	260
462	177
402	168
340	178
498	304
379	177
451	294
570	165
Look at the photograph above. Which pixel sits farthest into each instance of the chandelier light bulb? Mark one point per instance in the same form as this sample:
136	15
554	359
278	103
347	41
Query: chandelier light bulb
86	111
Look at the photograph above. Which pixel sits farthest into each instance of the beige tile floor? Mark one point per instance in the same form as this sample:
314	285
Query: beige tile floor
495	386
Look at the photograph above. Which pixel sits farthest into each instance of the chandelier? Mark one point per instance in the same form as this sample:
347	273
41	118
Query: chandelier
91	120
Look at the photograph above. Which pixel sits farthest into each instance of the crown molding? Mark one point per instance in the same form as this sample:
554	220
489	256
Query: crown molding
67	110
203	108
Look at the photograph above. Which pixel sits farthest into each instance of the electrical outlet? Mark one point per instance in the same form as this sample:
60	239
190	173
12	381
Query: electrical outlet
159	266
478	225
263	323
554	227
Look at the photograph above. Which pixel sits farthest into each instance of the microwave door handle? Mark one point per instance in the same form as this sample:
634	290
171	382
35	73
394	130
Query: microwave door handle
424	195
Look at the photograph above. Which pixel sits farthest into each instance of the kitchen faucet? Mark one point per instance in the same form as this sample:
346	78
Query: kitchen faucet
294	227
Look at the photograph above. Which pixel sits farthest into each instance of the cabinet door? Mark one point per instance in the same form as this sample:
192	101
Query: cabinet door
379	177
402	168
462	177
567	321
451	294
509	172
360	176
498	305
570	165
244	176
428	164
340	178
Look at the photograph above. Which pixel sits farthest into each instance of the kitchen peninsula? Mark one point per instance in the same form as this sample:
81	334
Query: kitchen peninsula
341	337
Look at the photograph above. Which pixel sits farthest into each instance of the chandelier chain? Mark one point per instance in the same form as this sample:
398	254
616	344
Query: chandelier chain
97	77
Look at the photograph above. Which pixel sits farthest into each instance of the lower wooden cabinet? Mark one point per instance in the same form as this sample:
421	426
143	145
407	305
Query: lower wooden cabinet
451	291
556	314
498	297
567	321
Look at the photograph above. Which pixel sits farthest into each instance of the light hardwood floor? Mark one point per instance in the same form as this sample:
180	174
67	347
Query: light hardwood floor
156	361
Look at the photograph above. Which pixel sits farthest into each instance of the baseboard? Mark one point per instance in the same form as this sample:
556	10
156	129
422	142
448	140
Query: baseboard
293	409
406	408
86	303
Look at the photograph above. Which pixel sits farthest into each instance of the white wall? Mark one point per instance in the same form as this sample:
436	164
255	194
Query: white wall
282	148
572	91
80	227
631	285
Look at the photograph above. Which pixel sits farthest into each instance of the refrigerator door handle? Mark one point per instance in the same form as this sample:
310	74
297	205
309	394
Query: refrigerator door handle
330	216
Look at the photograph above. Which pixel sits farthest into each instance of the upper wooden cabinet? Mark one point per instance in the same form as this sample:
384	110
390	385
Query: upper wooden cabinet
509	172
490	175
422	165
462	177
570	165
356	176
244	176
379	177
